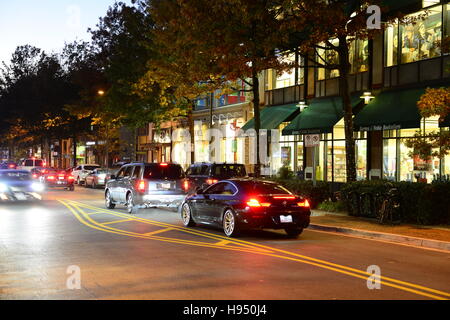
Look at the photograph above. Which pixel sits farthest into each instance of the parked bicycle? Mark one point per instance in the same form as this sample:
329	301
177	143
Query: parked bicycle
390	208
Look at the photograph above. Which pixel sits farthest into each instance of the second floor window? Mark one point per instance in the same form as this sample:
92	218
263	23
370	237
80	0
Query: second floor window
406	43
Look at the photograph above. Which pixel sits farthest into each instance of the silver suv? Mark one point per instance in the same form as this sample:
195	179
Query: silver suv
146	185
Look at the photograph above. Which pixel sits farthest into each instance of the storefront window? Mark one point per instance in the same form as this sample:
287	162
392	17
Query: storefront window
389	159
361	159
447	19
329	161
300	156
339	161
274	80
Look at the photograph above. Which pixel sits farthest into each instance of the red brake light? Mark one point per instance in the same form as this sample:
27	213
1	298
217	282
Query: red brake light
163	164
11	166
70	177
304	204
211	181
256	203
186	185
141	185
285	197
35	176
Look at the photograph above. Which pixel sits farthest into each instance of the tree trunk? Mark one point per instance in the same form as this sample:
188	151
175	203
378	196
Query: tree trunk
344	88
255	89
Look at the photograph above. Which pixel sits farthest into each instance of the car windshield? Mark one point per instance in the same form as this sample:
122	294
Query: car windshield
163	172
91	167
102	171
265	188
229	170
15	175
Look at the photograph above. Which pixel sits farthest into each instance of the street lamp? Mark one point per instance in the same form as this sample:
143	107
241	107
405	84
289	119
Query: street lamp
302	105
367	96
100	92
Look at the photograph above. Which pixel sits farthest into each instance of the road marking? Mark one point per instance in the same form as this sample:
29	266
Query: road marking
158	231
95	212
249	247
117	221
223	243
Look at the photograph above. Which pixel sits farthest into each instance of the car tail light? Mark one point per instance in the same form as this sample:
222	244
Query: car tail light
285	197
11	166
51	178
35	176
163	164
211	181
186	185
141	185
70	177
256	203
304	204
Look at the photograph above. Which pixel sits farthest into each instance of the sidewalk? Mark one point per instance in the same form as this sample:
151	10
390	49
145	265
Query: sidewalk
435	237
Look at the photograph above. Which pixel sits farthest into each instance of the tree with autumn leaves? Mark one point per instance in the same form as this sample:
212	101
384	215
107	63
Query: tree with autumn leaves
207	45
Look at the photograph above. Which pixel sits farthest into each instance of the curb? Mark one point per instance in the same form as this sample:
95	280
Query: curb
419	242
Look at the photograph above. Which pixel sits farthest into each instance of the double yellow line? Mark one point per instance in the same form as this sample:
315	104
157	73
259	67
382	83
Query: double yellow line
224	242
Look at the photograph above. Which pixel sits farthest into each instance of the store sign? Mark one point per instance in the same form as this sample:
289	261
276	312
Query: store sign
312	140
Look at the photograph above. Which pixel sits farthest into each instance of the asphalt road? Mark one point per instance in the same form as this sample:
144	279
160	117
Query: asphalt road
150	255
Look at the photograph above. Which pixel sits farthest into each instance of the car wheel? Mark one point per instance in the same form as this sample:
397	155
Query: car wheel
293	232
186	216
131	208
229	223
93	185
108	201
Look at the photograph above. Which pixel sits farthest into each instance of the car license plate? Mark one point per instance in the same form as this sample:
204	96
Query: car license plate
285	219
61	178
20	196
165	185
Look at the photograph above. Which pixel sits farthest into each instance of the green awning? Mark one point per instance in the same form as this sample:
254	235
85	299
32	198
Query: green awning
272	117
320	116
393	109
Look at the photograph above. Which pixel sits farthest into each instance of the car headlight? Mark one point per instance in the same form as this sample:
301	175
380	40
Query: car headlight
3	187
38	187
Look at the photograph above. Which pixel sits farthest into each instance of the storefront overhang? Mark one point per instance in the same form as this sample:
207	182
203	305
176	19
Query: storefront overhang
272	117
320	116
390	110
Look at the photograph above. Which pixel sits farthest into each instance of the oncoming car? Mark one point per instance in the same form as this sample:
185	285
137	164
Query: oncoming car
238	204
18	185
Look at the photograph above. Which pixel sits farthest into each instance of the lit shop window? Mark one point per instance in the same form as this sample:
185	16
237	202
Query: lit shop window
327	58
359	56
422	40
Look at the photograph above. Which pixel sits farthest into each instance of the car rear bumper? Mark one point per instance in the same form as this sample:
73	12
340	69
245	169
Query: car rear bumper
273	221
62	184
159	200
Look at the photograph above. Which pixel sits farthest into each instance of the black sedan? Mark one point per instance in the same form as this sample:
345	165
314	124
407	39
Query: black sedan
18	185
57	178
238	204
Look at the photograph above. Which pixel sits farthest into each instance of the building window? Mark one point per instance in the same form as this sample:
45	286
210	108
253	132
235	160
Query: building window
418	41
233	97
327	57
359	56
274	80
